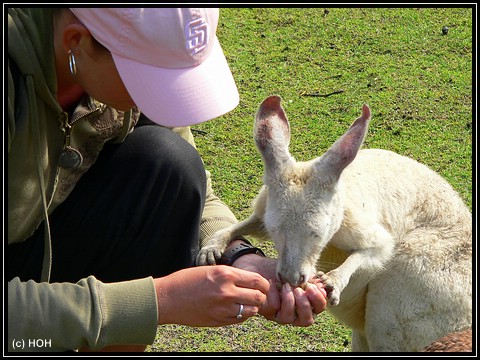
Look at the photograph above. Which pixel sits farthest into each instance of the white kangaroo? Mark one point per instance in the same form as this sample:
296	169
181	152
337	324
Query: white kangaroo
391	239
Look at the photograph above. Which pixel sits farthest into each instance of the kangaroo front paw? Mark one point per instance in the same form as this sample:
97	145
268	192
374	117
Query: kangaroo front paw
214	248
209	255
333	294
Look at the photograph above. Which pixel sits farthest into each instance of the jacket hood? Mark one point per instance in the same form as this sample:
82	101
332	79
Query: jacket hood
30	46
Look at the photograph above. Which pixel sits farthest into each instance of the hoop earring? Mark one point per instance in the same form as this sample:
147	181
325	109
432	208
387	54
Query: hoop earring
71	63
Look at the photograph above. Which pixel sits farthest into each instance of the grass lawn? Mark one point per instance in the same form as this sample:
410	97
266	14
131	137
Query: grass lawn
416	80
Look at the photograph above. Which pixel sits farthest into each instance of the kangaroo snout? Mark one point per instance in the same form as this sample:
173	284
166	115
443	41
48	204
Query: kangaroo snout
296	278
296	281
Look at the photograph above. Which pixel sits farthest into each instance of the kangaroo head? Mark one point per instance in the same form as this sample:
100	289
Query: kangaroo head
305	200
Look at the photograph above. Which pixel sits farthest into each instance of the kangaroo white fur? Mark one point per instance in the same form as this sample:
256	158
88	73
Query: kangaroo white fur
389	237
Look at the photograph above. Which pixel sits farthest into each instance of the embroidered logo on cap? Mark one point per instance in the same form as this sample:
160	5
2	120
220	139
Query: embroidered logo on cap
196	34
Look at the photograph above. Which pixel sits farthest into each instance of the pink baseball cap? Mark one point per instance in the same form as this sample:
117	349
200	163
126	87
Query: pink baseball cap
170	60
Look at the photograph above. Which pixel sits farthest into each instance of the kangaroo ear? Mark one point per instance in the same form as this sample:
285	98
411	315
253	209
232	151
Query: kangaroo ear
344	150
272	133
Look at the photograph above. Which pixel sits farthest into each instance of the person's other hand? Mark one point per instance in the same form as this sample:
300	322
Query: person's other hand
300	307
285	305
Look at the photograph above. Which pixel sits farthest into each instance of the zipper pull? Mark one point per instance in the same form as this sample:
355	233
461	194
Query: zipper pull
70	158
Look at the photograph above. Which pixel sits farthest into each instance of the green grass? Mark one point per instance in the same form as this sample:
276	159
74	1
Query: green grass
417	82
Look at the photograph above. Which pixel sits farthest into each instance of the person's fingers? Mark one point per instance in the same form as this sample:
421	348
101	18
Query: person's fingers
272	305
303	308
242	312
251	280
286	314
249	297
299	307
317	297
241	287
251	288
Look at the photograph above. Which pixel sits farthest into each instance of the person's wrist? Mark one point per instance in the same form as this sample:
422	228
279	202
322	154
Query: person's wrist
162	301
237	249
245	260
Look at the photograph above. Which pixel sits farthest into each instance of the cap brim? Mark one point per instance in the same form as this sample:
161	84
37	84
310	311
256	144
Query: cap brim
181	97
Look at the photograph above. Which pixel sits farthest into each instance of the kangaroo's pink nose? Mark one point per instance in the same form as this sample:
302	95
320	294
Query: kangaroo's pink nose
299	280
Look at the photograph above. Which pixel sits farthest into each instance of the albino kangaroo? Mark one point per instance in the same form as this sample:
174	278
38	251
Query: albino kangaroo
390	238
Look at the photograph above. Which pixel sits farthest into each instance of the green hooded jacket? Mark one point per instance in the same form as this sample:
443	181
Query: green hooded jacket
66	316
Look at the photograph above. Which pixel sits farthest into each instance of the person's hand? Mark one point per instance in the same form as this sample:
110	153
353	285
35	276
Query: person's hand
209	296
300	307
285	305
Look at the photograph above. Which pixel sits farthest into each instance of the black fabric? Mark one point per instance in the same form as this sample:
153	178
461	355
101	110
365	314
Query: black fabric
135	213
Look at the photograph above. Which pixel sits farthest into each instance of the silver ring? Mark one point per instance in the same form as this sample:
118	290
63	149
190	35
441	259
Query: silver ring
239	316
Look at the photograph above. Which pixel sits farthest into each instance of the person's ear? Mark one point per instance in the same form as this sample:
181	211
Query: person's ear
77	37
